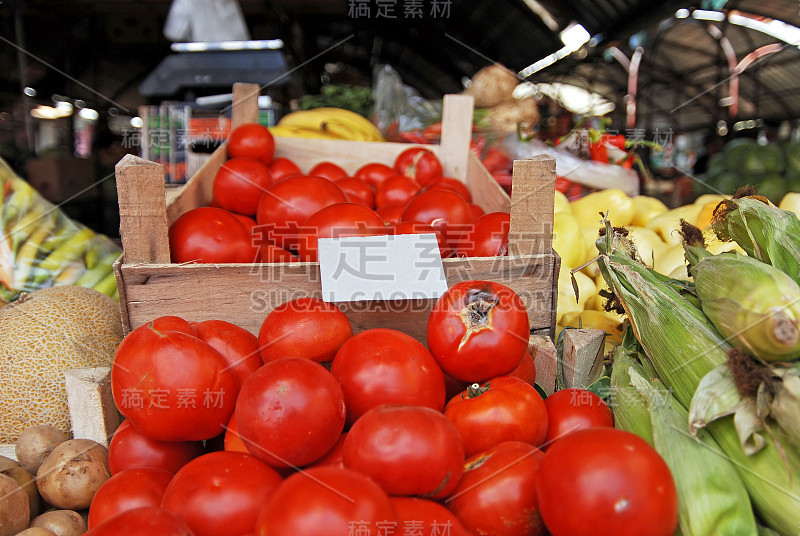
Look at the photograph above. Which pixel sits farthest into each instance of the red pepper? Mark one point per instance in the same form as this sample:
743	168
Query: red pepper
496	160
433	130
413	136
599	151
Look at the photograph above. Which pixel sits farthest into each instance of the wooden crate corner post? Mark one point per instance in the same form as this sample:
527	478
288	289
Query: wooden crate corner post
454	149
91	405
531	225
582	360
543	352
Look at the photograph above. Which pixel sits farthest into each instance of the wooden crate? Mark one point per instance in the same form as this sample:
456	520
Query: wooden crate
150	286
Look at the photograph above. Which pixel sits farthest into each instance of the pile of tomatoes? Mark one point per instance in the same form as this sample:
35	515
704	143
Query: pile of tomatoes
265	209
309	429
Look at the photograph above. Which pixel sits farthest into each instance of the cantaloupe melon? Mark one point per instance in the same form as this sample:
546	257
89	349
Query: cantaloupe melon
42	335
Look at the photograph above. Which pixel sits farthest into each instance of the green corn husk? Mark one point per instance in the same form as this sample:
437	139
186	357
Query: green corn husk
755	306
718	397
683	347
712	498
785	405
678	338
764	231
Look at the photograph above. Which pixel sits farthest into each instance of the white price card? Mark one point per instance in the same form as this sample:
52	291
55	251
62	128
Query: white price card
391	267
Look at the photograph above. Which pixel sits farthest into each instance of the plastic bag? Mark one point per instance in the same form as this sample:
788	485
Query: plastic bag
398	107
41	247
570	166
205	20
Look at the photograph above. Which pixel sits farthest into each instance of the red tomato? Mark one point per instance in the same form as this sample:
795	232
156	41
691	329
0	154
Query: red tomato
357	190
391	214
334	456
288	203
425	517
326	501
374	173
503	409
328	170
445	210
290	412
210	235
220	494
303	327
407	450
453	387
570	410
126	490
451	184
270	253
415	227
419	164
251	140
281	168
478	330
339	220
384	366
129	449
172	386
232	441
237	346
497	493
526	370
620	485
395	190
477	211
248	222
486	237
145	521
173	323
239	183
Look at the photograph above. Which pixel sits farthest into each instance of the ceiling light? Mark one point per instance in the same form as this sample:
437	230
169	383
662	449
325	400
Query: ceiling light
29	91
48	112
574	36
682	13
137	122
703	14
88	114
787	33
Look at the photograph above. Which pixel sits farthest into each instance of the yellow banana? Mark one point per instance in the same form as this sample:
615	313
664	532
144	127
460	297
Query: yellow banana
294	132
350	124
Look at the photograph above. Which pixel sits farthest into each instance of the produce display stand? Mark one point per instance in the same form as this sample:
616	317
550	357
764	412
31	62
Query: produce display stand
150	286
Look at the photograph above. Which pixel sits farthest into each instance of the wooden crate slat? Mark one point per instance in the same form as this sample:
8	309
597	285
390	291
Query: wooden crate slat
456	135
245	293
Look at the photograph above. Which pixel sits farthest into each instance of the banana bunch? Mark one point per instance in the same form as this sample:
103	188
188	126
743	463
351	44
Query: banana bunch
327	123
41	247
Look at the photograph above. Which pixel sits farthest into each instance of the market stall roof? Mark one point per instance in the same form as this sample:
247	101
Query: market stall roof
110	46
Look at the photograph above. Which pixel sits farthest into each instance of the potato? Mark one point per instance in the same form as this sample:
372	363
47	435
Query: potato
61	522
71	474
14	510
7	463
35	444
27	482
36	531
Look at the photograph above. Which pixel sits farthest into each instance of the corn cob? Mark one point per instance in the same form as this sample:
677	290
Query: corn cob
683	347
712	498
764	231
761	316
